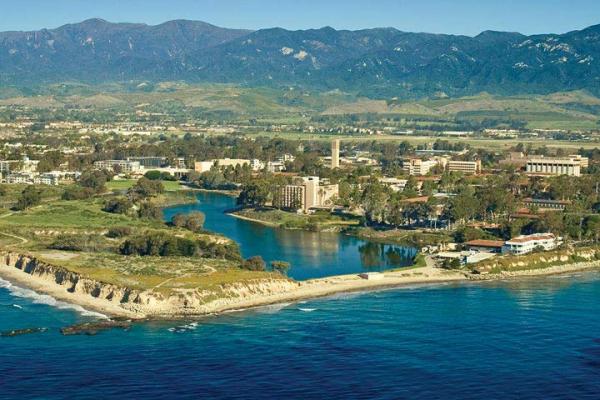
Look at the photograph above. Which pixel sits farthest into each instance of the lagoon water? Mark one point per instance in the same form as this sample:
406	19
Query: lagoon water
311	254
532	339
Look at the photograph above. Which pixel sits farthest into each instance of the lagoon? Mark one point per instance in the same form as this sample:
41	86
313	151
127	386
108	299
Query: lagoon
311	254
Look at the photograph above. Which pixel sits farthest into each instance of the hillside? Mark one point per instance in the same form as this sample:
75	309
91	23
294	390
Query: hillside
381	62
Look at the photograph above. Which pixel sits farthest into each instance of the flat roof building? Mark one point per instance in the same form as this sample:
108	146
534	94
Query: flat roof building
554	166
123	165
416	166
527	243
204	166
308	193
465	167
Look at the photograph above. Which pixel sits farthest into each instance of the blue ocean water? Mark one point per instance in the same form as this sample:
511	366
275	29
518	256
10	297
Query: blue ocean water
531	339
509	340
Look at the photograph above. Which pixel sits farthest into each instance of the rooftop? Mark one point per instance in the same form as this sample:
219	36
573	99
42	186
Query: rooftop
485	243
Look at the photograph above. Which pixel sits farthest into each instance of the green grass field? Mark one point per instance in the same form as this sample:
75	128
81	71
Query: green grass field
33	231
170	186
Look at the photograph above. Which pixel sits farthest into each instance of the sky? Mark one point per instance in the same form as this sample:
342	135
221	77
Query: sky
466	17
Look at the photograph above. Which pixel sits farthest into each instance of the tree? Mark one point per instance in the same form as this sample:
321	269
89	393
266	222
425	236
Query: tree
153	175
30	196
195	221
145	188
254	194
77	193
255	263
374	201
50	161
118	205
463	206
280	266
95	180
179	220
149	211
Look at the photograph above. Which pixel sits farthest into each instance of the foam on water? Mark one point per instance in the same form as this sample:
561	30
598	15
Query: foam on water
272	308
184	328
37	298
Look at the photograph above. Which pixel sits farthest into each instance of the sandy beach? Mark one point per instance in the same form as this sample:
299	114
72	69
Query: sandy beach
265	293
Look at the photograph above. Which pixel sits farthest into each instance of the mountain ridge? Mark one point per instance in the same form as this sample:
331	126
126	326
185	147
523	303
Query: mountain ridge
376	62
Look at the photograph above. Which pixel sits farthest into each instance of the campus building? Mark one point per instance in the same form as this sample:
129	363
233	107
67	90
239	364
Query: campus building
527	243
554	166
465	167
308	193
204	166
335	153
416	166
124	165
150	162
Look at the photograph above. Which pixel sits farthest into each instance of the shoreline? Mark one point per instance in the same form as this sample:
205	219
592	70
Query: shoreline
291	291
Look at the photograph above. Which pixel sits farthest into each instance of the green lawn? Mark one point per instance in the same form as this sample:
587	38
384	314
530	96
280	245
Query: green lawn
170	186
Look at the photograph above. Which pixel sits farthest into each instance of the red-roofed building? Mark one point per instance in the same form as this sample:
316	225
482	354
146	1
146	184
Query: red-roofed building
492	246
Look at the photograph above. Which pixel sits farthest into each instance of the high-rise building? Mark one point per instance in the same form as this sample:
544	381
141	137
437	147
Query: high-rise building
335	153
306	194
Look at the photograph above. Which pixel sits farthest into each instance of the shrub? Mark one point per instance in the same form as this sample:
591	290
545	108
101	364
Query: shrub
30	196
118	205
91	243
145	188
118	232
280	266
255	263
150	211
77	193
193	221
226	251
159	244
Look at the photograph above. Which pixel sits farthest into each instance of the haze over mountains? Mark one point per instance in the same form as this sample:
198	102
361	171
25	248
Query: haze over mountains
377	62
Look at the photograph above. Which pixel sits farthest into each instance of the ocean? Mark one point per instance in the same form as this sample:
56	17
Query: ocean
532	339
528	339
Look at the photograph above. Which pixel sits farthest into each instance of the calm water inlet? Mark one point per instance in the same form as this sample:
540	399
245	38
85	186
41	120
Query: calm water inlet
311	254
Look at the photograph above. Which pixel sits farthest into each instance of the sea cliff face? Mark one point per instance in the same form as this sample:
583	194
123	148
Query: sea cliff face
141	303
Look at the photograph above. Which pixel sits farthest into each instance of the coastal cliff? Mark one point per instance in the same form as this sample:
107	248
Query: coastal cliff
111	299
115	300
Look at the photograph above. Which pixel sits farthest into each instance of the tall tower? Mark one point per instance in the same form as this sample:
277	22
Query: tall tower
335	153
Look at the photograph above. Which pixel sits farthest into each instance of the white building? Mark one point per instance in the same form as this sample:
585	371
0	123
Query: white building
124	165
397	185
416	166
527	243
204	166
556	166
257	165
465	167
335	153
275	166
307	194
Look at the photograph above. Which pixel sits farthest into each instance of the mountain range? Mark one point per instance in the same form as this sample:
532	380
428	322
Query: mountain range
376	62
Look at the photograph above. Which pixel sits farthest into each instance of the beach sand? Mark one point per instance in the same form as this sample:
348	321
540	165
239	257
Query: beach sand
290	292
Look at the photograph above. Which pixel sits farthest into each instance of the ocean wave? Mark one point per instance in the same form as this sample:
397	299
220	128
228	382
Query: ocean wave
184	328
273	308
37	298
